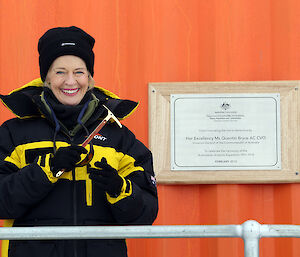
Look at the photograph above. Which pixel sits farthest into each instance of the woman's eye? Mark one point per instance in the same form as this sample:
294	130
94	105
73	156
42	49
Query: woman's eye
60	72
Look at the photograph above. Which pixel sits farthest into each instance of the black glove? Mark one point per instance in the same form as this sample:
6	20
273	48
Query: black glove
108	178
66	158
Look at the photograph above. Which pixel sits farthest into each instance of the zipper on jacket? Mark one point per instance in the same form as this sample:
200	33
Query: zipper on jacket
74	195
74	200
74	209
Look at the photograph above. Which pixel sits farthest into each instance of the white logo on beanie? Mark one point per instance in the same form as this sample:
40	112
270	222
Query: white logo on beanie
68	44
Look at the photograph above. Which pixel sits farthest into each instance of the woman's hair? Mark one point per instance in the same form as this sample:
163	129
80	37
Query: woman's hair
91	82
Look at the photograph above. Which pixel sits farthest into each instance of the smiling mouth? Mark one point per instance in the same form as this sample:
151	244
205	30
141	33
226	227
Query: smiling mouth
70	92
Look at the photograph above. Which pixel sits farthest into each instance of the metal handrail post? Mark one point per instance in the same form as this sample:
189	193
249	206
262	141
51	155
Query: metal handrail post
251	236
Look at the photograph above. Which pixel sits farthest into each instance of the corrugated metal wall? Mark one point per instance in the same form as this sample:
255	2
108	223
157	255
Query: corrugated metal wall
142	41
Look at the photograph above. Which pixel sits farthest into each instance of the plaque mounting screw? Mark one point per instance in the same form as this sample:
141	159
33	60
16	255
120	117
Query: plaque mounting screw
297	173
296	88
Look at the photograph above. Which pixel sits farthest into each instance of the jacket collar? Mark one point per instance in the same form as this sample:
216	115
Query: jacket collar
21	101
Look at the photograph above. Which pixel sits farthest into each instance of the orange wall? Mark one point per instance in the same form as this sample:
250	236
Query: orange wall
142	41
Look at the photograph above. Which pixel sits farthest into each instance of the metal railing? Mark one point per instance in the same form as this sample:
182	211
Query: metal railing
250	231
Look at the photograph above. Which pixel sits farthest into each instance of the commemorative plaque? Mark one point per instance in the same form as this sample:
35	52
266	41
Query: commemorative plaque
225	131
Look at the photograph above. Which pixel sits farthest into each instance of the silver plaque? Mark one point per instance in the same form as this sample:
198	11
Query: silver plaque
225	132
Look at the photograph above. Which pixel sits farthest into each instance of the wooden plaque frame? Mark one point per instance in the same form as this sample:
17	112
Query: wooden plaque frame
159	132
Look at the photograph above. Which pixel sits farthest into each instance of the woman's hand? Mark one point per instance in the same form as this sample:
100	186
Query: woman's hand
107	178
66	158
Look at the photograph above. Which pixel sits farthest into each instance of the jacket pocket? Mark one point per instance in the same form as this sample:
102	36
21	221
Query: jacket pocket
34	248
106	248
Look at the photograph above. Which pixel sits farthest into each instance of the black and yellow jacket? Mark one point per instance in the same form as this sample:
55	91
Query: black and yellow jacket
29	197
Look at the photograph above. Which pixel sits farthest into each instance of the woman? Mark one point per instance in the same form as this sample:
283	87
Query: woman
109	182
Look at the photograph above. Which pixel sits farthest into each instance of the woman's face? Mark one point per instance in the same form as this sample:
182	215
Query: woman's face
69	79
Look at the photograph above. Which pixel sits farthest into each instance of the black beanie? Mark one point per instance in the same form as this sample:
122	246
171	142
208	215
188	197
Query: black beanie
61	41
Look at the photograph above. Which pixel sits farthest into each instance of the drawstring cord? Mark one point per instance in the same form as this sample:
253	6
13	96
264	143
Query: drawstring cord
57	125
79	121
